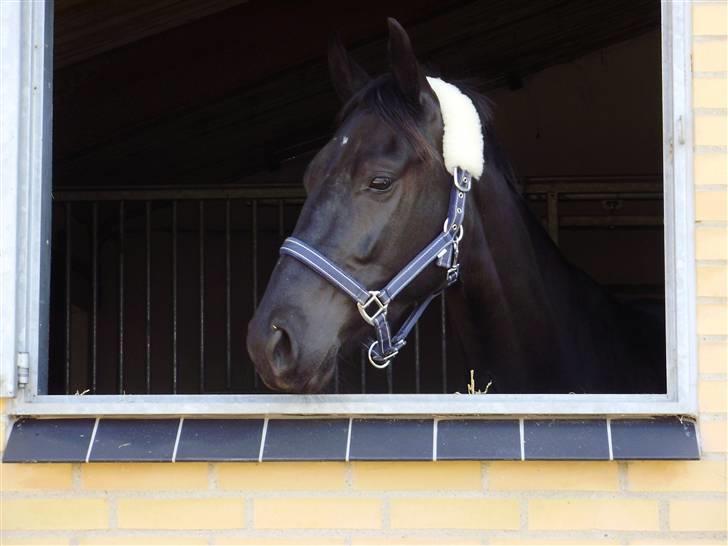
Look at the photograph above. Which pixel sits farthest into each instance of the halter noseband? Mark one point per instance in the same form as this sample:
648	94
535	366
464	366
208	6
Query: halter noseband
373	304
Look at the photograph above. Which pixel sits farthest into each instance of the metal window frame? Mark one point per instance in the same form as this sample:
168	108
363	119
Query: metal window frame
28	280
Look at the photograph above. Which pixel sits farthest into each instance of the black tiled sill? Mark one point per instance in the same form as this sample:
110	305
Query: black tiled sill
134	440
220	440
306	440
467	439
565	439
391	439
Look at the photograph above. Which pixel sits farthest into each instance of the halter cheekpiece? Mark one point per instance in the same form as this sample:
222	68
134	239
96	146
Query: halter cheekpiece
457	111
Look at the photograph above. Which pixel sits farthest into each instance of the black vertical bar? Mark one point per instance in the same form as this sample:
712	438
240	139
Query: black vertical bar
67	309
94	292
121	299
417	358
202	295
390	379
174	297
228	339
363	361
148	296
281	220
254	265
336	376
443	333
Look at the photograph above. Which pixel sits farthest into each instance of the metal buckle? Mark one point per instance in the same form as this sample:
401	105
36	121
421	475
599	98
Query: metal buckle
373	299
465	183
452	274
387	361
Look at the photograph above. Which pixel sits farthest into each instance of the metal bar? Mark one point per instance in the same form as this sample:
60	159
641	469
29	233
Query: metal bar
120	369
552	216
174	298
201	207
443	333
67	303
390	380
417	358
228	338
254	265
292	191
363	365
94	294
281	220
148	297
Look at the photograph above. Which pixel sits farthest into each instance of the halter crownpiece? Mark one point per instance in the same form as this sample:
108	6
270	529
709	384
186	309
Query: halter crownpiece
462	141
463	156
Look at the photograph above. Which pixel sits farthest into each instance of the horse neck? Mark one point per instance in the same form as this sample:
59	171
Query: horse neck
522	300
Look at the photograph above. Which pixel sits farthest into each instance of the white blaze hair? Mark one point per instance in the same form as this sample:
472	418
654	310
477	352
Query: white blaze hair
462	141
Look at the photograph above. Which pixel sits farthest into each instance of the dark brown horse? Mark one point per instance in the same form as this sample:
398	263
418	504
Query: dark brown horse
377	194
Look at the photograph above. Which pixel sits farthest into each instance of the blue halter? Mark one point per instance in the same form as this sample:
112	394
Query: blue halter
373	304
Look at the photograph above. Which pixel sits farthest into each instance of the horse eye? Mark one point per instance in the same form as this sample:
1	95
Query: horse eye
380	183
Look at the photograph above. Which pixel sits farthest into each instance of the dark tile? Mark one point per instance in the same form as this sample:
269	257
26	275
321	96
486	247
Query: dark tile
566	439
49	440
134	440
472	439
220	440
391	439
306	440
665	438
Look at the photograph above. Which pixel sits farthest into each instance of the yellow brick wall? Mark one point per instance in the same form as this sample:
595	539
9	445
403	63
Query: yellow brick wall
432	503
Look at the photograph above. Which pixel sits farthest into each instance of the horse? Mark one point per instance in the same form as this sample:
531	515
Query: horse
377	194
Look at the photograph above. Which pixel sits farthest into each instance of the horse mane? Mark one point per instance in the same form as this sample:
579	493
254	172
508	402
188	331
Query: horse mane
383	96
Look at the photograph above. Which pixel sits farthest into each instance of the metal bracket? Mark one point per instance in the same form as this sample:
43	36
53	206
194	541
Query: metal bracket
22	363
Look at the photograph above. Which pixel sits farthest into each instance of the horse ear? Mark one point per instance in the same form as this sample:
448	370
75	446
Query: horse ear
403	63
347	76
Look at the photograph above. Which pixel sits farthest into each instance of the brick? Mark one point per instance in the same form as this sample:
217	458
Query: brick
713	436
556	475
711	244
454	513
709	56
711	131
710	93
415	541
290	541
712	319
58	513
710	18
710	168
552	541
712	280
21	477
35	540
146	476
711	206
698	515
676	475
142	540
135	513
317	513
592	514
282	476
713	357
712	396
417	475
672	540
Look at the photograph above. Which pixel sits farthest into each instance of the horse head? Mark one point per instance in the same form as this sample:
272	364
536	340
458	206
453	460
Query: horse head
377	193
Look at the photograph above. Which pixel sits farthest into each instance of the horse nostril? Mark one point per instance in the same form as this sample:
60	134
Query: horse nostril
280	350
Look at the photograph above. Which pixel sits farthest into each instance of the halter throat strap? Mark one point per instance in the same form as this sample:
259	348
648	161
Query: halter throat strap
373	304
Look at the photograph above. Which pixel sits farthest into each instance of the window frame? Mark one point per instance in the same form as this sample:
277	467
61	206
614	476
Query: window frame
25	267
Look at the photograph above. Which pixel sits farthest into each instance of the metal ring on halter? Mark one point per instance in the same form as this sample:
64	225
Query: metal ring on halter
387	361
445	228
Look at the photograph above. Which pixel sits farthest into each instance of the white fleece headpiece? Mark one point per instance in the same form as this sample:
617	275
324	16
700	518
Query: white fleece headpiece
462	141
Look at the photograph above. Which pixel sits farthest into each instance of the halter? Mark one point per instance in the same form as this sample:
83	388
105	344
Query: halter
373	304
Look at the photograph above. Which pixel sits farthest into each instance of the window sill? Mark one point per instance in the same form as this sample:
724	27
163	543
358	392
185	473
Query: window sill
349	439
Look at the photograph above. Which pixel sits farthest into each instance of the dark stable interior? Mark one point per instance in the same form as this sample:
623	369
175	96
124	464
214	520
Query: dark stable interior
182	129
